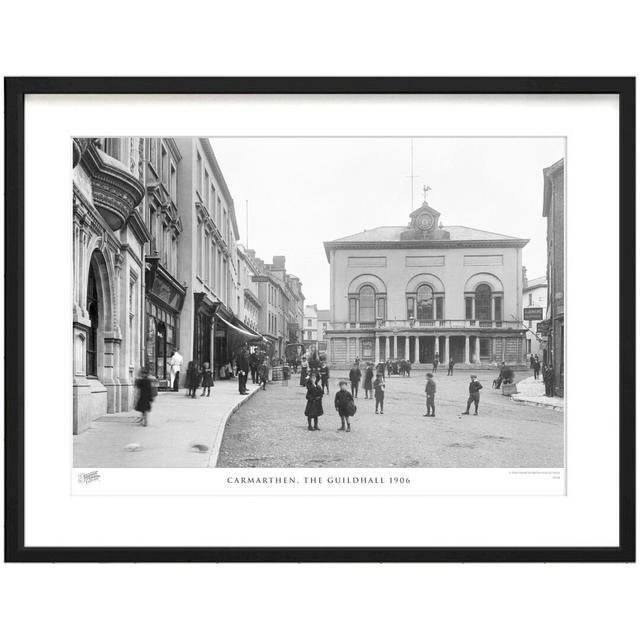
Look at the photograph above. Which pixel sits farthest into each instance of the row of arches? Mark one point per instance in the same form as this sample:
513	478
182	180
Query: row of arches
425	298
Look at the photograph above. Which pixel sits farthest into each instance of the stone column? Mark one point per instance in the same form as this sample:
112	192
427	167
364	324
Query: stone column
376	349
416	349
386	347
477	350
395	347
446	350
436	346
466	350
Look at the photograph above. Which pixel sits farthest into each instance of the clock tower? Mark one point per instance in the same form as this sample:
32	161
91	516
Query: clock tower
424	225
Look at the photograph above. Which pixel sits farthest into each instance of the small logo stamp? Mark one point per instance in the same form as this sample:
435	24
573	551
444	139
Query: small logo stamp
90	476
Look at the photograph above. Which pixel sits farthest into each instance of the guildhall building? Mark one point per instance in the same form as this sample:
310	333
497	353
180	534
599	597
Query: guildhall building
411	292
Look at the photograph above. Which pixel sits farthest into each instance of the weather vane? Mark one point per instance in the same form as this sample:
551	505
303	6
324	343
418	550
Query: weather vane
426	189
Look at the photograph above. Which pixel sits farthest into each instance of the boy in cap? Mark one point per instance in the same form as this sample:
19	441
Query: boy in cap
474	395
378	391
430	390
344	406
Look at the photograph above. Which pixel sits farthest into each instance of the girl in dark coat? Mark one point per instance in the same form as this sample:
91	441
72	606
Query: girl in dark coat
193	379
207	379
146	394
368	382
314	402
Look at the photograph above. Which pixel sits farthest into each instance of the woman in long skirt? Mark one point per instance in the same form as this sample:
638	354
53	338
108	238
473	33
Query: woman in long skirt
313	409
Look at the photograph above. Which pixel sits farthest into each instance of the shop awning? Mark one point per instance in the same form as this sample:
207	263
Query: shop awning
240	326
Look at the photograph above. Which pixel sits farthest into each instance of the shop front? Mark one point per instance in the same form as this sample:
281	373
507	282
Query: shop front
163	304
230	335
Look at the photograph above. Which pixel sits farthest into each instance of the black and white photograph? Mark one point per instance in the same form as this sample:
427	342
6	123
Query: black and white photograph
343	302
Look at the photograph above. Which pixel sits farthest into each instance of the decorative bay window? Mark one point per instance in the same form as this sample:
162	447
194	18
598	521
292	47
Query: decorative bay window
366	306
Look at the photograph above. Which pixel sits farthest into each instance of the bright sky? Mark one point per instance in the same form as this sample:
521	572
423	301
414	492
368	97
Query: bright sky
303	191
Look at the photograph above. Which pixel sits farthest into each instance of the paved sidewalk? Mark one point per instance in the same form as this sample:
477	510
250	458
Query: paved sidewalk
176	422
531	393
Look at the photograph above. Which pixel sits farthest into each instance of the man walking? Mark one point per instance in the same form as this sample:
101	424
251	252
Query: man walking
242	363
450	370
536	368
354	377
474	395
175	362
430	390
436	362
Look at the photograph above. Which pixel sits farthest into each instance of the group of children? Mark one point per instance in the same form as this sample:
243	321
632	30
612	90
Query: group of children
345	405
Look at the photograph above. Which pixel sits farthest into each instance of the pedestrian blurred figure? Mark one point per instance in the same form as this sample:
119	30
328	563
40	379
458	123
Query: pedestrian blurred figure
324	376
378	389
254	363
380	369
354	377
193	379
345	406
408	365
368	381
147	392
474	396
263	373
548	379
430	390
450	370
207	379
436	362
313	409
536	367
531	361
242	363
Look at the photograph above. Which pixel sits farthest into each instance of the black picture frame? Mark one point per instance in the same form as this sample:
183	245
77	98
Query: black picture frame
15	91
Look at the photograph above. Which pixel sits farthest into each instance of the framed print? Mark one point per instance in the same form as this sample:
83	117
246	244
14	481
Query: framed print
320	319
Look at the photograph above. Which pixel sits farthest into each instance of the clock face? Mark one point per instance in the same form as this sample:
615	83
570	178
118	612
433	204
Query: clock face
425	222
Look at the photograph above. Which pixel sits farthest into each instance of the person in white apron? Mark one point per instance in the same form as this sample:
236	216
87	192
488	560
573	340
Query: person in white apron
176	365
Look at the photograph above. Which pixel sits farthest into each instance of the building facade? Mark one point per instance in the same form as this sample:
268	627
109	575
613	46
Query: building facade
250	296
553	211
324	318
423	289
109	237
534	301
310	327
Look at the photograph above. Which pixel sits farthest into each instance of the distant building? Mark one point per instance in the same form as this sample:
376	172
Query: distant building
310	327
324	318
250	296
553	211
534	302
423	289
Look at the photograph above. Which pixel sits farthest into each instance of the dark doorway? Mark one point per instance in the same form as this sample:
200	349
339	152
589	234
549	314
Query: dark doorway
161	351
456	349
92	335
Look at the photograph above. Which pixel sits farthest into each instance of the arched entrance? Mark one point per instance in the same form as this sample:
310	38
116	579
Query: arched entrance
93	308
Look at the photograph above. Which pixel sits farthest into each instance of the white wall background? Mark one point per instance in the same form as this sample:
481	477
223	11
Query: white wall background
335	38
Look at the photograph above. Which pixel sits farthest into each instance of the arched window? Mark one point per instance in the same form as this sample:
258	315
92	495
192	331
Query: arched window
483	302
424	299
92	336
367	304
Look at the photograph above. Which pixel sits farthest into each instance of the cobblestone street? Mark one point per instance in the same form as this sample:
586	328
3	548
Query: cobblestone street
271	431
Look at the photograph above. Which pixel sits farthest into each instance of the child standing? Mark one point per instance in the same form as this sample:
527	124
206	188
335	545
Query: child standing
193	379
344	406
368	381
313	409
324	376
474	395
378	390
430	390
207	379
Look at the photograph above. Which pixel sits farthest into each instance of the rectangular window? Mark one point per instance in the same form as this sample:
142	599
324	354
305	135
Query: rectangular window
199	256
439	308
174	255
410	305
207	268
152	229
468	308
352	310
198	173
309	323
165	167
173	184
381	308
498	312
205	189
165	246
